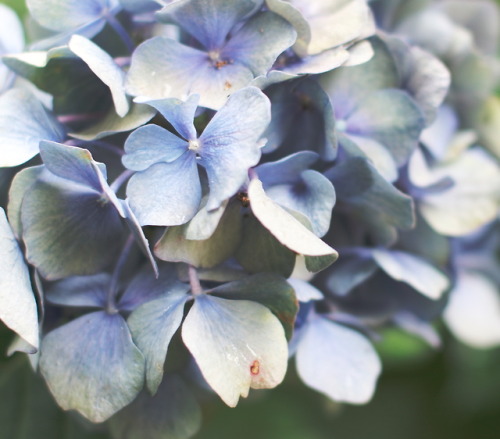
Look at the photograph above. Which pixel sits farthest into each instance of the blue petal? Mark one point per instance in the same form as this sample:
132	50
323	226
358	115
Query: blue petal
302	118
230	144
145	287
66	15
24	122
71	163
80	291
180	114
259	42
164	68
312	194
152	144
166	194
180	71
209	21
287	169
337	361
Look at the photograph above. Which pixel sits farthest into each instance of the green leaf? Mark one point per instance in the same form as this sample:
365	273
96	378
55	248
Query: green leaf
268	289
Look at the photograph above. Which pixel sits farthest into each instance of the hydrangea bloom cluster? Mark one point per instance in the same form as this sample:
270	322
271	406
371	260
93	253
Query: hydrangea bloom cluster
193	192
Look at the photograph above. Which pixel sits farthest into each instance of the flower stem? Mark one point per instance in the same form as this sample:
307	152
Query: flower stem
194	281
111	306
122	178
122	33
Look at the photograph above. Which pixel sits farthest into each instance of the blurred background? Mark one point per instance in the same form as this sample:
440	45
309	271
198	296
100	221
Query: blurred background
453	392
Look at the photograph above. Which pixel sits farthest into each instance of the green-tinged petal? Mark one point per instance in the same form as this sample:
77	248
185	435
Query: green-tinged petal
237	344
69	232
259	251
175	247
153	325
91	365
269	290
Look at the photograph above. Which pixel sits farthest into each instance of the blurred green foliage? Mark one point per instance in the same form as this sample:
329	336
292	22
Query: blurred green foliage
18	5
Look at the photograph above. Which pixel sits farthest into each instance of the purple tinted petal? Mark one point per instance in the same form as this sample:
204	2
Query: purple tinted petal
209	21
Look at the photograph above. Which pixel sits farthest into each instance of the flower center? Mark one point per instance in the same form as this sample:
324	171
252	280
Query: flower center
217	61
194	145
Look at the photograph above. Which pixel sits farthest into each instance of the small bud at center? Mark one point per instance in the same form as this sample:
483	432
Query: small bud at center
194	145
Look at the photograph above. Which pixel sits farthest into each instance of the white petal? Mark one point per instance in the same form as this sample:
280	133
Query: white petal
337	361
473	311
237	344
285	228
412	270
17	302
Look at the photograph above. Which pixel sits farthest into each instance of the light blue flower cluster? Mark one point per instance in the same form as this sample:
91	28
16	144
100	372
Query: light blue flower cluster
194	191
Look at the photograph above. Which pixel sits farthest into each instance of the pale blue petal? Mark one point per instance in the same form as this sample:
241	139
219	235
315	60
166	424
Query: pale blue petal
166	194
209	21
312	194
145	287
69	230
230	144
180	114
287	169
24	122
164	68
237	344
413	270
337	361
152	144
70	163
80	291
65	15
287	229
259	42
18	308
